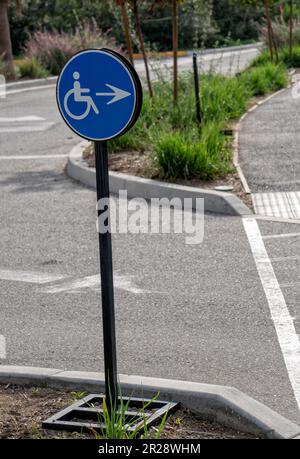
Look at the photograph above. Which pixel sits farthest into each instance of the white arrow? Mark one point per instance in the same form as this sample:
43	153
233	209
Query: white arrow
118	94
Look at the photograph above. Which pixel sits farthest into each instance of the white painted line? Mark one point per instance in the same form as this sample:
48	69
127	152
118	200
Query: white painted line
120	282
30	277
43	126
20	119
283	322
2	158
33	88
277	219
283	235
2	347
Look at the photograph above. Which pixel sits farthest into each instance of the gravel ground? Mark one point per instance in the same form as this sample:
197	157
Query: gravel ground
23	409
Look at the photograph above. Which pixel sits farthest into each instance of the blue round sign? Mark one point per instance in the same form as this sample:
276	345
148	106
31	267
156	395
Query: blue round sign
99	94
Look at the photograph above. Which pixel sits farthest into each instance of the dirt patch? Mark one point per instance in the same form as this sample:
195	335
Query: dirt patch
22	411
140	164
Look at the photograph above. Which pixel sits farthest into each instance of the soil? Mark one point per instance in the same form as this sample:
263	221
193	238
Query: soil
22	410
139	164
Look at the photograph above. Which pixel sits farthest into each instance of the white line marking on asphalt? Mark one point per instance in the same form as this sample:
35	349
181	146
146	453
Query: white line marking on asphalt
33	88
120	281
42	126
20	119
283	235
283	322
30	277
2	158
2	347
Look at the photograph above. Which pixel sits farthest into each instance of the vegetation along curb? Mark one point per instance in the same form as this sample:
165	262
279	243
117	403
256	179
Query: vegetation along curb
223	404
138	187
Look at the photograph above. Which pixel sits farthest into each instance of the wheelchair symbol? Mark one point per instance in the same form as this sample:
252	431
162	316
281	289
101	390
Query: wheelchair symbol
80	96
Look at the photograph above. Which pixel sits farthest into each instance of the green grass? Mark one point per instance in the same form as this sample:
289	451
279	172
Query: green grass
119	426
283	56
265	78
31	68
190	155
172	133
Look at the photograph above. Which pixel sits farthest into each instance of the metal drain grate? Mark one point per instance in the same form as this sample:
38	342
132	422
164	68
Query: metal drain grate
86	415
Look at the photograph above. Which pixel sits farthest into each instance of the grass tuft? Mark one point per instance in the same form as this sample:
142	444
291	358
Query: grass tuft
31	68
172	133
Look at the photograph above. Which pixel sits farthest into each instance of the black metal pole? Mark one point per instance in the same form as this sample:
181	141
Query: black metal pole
196	81
107	288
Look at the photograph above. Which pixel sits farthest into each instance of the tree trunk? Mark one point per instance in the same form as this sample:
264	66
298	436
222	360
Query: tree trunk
291	28
6	54
175	50
135	9
270	40
127	31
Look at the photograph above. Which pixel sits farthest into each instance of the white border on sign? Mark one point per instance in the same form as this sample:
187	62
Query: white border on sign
132	81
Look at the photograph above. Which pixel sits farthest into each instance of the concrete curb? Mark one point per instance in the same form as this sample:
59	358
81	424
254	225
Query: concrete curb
214	201
220	403
228	49
26	84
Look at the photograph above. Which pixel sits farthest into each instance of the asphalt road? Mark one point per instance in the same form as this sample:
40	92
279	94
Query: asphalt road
225	62
195	313
269	145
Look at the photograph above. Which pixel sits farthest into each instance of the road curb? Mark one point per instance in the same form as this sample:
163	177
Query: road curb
220	403
138	187
28	84
229	49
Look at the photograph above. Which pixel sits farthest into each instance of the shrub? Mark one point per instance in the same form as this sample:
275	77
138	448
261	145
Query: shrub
281	33
283	55
223	98
293	60
31	68
53	49
185	156
264	78
181	151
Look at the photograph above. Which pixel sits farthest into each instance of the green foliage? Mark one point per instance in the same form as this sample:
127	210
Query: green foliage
237	21
265	78
293	60
31	68
284	57
53	49
59	15
181	150
201	22
118	424
204	155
